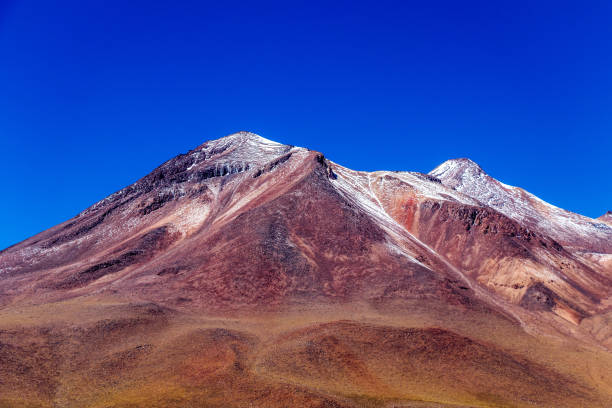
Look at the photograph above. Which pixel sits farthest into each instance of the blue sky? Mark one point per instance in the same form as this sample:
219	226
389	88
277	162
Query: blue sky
95	94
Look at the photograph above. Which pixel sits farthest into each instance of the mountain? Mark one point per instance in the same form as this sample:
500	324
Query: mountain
251	273
571	230
607	217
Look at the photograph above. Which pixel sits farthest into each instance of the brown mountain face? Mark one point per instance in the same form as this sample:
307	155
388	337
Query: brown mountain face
247	273
607	217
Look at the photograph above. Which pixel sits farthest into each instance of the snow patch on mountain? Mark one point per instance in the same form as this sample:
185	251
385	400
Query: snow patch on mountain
245	147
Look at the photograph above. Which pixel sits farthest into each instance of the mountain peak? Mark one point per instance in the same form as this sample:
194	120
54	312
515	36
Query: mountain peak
607	217
240	138
455	171
243	146
569	229
461	163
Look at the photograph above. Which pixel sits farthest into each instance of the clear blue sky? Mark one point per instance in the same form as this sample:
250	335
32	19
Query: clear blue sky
95	94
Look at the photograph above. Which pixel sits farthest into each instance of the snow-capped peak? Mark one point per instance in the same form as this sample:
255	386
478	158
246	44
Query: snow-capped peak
564	226
461	162
245	147
244	137
456	172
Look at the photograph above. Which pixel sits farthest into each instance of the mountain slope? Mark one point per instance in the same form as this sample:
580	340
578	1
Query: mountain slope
607	217
246	270
569	229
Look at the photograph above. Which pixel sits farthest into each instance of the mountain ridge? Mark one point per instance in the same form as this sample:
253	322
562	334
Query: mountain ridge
249	155
566	227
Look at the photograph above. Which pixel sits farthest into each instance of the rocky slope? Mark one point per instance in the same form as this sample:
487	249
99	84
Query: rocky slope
569	229
264	269
607	217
